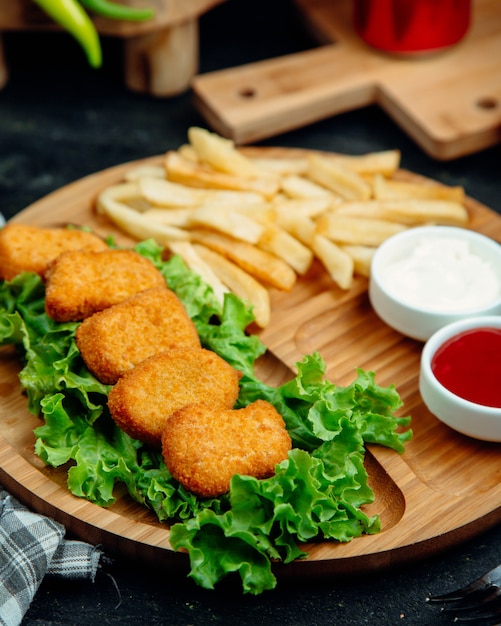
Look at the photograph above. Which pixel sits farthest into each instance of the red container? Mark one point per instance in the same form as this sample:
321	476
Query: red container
411	26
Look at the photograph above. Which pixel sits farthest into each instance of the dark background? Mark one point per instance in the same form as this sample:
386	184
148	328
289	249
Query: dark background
61	120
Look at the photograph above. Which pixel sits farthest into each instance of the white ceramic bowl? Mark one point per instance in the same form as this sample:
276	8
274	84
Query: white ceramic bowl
467	417
421	313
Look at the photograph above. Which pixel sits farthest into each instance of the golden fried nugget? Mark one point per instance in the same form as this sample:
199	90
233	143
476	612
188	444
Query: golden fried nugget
205	446
80	284
113	341
145	397
30	248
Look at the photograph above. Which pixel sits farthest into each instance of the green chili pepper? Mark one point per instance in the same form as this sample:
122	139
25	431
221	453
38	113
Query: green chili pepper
70	15
110	9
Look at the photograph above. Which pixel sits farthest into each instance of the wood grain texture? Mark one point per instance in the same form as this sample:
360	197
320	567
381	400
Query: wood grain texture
448	103
444	489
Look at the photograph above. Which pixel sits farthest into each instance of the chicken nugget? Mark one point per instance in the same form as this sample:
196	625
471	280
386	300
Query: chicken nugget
113	341
80	283
30	248
145	397
205	446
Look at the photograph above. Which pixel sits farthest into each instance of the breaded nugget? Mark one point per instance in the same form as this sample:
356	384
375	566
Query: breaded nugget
204	446
30	249
145	397
80	284
113	341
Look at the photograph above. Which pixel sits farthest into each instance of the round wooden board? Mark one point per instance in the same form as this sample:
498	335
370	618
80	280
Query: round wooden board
444	489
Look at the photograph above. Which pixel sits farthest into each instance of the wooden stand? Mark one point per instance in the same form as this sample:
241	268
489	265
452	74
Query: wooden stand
449	102
161	55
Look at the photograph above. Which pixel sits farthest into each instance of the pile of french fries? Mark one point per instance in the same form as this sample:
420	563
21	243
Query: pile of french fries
246	224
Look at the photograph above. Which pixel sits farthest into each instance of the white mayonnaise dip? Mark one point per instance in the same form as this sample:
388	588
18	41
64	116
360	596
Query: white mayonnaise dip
442	274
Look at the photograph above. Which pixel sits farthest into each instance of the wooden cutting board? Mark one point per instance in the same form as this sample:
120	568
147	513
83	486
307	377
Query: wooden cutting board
448	103
446	488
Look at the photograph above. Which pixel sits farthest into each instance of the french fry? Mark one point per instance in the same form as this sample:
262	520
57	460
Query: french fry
220	153
310	207
162	192
336	261
279	242
410	211
303	188
300	226
168	194
234	199
232	223
180	218
189	152
356	230
264	266
386	189
362	258
239	282
129	193
385	163
136	224
262	213
281	166
197	264
150	171
182	170
338	178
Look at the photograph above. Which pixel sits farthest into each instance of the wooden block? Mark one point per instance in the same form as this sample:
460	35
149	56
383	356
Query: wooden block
163	62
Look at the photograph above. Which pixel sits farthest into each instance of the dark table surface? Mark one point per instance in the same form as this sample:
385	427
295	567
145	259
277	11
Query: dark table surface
59	121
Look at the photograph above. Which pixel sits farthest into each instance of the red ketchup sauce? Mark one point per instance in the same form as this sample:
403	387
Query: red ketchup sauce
469	365
411	26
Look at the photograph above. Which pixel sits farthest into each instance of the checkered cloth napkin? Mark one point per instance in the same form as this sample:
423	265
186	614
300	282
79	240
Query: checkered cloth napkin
31	547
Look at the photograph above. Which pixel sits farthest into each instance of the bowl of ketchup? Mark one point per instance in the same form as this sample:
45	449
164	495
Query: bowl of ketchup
460	376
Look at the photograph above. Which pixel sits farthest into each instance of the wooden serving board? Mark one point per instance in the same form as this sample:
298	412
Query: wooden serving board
448	103
446	488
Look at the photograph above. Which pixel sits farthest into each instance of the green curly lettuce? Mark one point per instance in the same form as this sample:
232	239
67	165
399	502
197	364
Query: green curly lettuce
316	494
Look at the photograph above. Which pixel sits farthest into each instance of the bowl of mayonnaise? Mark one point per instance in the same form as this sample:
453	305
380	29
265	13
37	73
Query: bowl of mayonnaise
427	277
460	373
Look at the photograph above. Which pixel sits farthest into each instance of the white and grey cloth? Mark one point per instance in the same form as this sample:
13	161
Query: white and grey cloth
33	546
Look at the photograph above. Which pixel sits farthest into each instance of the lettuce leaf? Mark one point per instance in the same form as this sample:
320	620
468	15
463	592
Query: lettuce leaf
220	330
316	494
313	407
